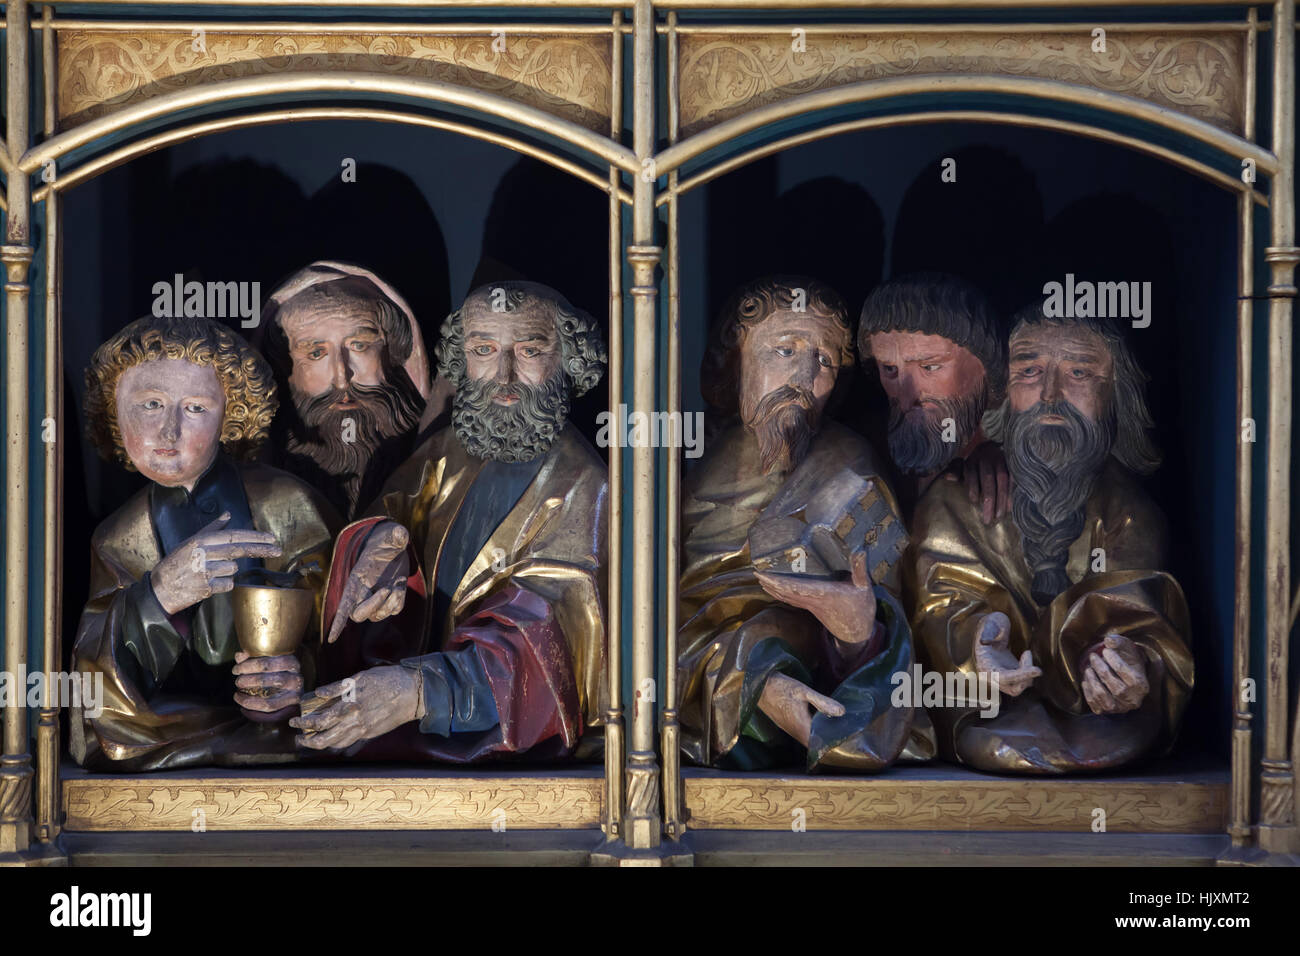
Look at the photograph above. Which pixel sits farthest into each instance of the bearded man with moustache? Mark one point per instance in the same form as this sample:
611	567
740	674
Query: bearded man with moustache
791	550
935	346
1063	600
466	616
347	347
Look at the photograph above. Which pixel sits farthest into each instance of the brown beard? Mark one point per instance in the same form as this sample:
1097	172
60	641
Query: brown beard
1054	467
784	422
916	442
382	413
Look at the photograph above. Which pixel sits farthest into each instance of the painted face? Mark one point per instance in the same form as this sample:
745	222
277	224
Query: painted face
919	370
170	413
508	348
1052	363
334	350
799	349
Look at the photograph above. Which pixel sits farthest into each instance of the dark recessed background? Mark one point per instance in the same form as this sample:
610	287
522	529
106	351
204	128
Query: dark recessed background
436	215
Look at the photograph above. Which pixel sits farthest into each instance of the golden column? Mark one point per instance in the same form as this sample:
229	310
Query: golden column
1277	829
641	828
612	822
16	254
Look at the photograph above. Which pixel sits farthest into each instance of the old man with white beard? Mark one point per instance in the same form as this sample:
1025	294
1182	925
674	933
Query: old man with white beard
1063	600
468	611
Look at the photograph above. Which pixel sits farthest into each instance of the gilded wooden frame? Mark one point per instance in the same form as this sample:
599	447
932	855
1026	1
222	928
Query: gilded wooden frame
634	815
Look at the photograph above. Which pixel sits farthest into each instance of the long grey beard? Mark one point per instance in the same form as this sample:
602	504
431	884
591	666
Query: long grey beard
784	422
1054	467
916	442
510	433
383	413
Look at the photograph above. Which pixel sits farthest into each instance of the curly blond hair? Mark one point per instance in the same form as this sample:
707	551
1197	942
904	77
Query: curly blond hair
244	375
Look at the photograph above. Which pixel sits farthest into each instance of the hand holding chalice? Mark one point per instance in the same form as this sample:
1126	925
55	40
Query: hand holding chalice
272	611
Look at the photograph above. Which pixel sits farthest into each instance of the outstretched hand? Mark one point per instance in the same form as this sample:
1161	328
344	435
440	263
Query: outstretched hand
790	704
993	655
846	608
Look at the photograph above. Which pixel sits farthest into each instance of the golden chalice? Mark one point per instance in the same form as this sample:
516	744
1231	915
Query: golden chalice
270	621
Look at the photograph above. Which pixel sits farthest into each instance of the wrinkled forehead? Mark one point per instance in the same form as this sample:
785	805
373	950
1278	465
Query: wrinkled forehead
317	308
534	318
174	377
1073	343
816	327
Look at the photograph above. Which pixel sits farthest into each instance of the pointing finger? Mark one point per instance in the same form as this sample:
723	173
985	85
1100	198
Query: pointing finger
828	706
217	525
243	549
352	594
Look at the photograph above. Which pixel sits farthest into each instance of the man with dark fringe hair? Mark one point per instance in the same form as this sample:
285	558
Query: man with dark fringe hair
934	344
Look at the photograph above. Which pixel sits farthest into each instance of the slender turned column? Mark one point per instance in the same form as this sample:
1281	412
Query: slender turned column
670	733
641	829
16	254
48	815
1277	829
612	822
1239	816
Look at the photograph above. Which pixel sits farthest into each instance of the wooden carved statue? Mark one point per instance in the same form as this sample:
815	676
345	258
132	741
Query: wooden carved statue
792	545
941	359
467	613
348	348
1063	599
184	401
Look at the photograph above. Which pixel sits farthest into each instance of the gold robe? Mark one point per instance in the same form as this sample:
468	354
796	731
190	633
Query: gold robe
735	634
533	596
123	639
958	569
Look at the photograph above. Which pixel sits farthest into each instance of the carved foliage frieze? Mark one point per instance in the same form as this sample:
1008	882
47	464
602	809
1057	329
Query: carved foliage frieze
993	804
332	804
100	71
724	75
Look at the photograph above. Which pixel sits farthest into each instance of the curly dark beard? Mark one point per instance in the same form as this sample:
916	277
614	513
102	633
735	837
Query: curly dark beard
916	442
510	433
1054	467
784	422
383	413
